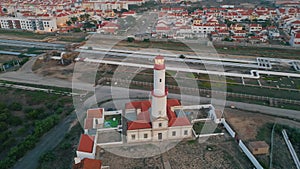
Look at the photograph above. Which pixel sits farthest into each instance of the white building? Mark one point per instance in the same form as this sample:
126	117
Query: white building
156	120
41	24
202	30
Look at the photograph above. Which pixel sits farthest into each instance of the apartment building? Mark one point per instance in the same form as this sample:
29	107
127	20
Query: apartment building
29	23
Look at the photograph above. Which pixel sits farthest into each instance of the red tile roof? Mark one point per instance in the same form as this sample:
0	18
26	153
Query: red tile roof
138	124
95	113
88	123
86	143
179	121
88	163
143	118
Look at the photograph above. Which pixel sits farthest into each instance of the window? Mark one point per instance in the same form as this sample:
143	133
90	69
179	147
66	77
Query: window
145	135
159	124
159	80
185	132
133	136
159	136
173	133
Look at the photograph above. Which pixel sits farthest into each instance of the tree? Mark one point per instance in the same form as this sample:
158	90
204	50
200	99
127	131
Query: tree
15	106
3	126
69	23
130	39
182	57
74	19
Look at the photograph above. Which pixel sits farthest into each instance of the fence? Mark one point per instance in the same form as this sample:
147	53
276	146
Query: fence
206	92
242	145
250	156
291	149
228	128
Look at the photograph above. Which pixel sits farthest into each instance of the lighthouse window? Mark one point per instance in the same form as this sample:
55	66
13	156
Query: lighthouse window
133	136
159	124
159	80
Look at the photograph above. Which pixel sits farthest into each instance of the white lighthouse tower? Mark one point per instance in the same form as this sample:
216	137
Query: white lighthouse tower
159	93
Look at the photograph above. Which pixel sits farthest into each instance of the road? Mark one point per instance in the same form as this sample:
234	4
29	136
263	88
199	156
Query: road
254	74
144	24
48	142
215	61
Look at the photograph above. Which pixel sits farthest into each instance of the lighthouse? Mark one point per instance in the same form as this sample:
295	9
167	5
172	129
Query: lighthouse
159	92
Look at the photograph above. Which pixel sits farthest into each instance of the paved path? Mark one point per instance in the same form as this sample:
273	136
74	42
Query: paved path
48	142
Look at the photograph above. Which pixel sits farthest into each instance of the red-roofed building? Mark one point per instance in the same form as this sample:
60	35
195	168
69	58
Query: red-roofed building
156	120
86	147
295	39
88	163
108	28
94	119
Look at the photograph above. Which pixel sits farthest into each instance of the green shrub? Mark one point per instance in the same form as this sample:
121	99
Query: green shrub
15	106
48	156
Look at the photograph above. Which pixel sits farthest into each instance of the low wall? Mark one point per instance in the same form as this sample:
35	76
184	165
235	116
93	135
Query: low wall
250	156
228	128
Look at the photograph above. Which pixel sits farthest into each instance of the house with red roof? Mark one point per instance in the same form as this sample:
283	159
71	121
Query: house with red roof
86	147
255	27
94	119
156	120
295	39
108	28
88	163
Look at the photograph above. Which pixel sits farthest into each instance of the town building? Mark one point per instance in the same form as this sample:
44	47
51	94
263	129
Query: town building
39	24
88	163
156	120
86	147
295	40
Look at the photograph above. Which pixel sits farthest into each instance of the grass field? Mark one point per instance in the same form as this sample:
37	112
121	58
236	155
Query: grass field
62	156
25	116
221	49
24	34
281	155
111	121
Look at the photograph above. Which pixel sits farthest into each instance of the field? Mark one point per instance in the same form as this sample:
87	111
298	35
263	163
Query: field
23	34
24	117
224	50
51	37
62	156
252	126
185	155
6	58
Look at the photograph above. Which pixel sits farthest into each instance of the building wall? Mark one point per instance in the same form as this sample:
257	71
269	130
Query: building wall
166	133
30	24
259	151
157	122
180	132
83	155
139	135
156	133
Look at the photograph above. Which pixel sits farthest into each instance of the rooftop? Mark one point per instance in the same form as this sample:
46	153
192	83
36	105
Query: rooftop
86	143
88	164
